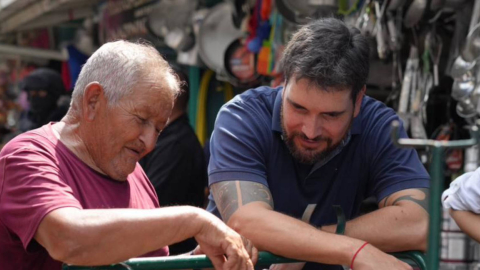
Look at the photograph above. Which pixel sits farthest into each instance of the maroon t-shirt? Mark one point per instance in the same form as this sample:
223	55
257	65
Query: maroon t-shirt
39	174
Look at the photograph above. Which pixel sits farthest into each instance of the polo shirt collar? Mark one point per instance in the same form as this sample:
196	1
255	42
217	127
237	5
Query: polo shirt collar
276	119
277	108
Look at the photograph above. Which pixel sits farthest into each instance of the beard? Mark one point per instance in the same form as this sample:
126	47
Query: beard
310	156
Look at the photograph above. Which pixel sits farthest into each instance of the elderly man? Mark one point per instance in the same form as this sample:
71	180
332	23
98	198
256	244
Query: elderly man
290	153
66	187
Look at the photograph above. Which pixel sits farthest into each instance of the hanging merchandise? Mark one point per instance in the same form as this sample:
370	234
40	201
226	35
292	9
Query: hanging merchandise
124	19
172	21
240	64
381	30
465	71
260	26
471	158
415	13
453	157
217	32
240	8
409	85
301	11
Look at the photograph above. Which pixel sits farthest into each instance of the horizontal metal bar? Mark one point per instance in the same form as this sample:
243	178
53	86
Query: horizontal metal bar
421	143
176	262
201	261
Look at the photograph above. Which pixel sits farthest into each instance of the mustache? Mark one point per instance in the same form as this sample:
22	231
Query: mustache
316	139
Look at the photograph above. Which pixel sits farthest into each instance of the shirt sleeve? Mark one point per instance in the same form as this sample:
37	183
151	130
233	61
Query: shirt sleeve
464	193
238	144
30	188
392	168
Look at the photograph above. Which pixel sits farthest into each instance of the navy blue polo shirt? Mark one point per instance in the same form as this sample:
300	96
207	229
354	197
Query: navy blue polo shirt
246	145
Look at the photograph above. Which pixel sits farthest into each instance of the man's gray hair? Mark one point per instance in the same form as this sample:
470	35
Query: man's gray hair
119	66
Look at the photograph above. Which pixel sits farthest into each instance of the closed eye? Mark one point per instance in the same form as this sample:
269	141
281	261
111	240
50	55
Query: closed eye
333	115
141	119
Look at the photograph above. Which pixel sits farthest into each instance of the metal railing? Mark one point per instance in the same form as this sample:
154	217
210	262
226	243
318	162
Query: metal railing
436	183
201	261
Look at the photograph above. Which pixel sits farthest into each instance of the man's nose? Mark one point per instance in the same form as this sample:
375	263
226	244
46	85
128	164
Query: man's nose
312	127
149	137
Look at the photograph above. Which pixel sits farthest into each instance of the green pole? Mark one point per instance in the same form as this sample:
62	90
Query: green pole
201	261
436	189
194	86
437	182
175	262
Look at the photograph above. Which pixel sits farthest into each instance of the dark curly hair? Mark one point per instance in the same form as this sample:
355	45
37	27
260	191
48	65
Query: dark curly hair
329	54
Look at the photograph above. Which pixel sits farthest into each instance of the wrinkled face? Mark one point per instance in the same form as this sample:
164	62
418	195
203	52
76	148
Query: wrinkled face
315	121
127	131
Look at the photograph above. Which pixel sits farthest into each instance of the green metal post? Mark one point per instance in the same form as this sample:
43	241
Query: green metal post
436	189
194	86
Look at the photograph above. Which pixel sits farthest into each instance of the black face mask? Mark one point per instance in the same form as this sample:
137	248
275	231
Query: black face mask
41	108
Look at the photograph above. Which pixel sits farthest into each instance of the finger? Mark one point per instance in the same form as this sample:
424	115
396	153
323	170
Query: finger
197	251
234	260
405	265
248	246
218	262
250	265
254	256
245	257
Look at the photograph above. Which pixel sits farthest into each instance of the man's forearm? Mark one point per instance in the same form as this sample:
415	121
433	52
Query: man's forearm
290	237
468	222
94	237
391	229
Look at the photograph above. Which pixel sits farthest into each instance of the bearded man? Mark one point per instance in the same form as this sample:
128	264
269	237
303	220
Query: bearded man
289	153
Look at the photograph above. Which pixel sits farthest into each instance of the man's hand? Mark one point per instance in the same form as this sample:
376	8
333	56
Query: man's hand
371	258
225	248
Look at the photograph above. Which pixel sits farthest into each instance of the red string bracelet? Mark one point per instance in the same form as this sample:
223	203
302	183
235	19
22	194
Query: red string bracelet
356	253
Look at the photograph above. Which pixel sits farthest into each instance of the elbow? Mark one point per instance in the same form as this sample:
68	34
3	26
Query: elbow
420	239
423	241
245	220
67	248
64	251
239	223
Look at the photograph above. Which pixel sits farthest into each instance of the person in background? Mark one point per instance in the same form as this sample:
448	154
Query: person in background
463	200
73	191
176	166
44	88
283	157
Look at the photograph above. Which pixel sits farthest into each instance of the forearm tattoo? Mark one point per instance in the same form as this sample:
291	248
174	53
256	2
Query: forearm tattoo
422	202
231	195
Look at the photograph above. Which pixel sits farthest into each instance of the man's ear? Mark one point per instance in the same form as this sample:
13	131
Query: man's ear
358	101
92	98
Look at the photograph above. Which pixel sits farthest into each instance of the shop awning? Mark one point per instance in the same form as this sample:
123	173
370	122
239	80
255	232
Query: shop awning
18	15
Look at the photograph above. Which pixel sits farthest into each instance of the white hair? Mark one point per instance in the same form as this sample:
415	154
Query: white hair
119	66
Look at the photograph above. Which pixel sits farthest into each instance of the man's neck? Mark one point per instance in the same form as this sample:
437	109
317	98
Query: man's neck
68	132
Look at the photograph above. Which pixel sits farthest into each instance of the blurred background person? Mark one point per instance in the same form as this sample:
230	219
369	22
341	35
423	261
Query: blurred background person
177	166
46	97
